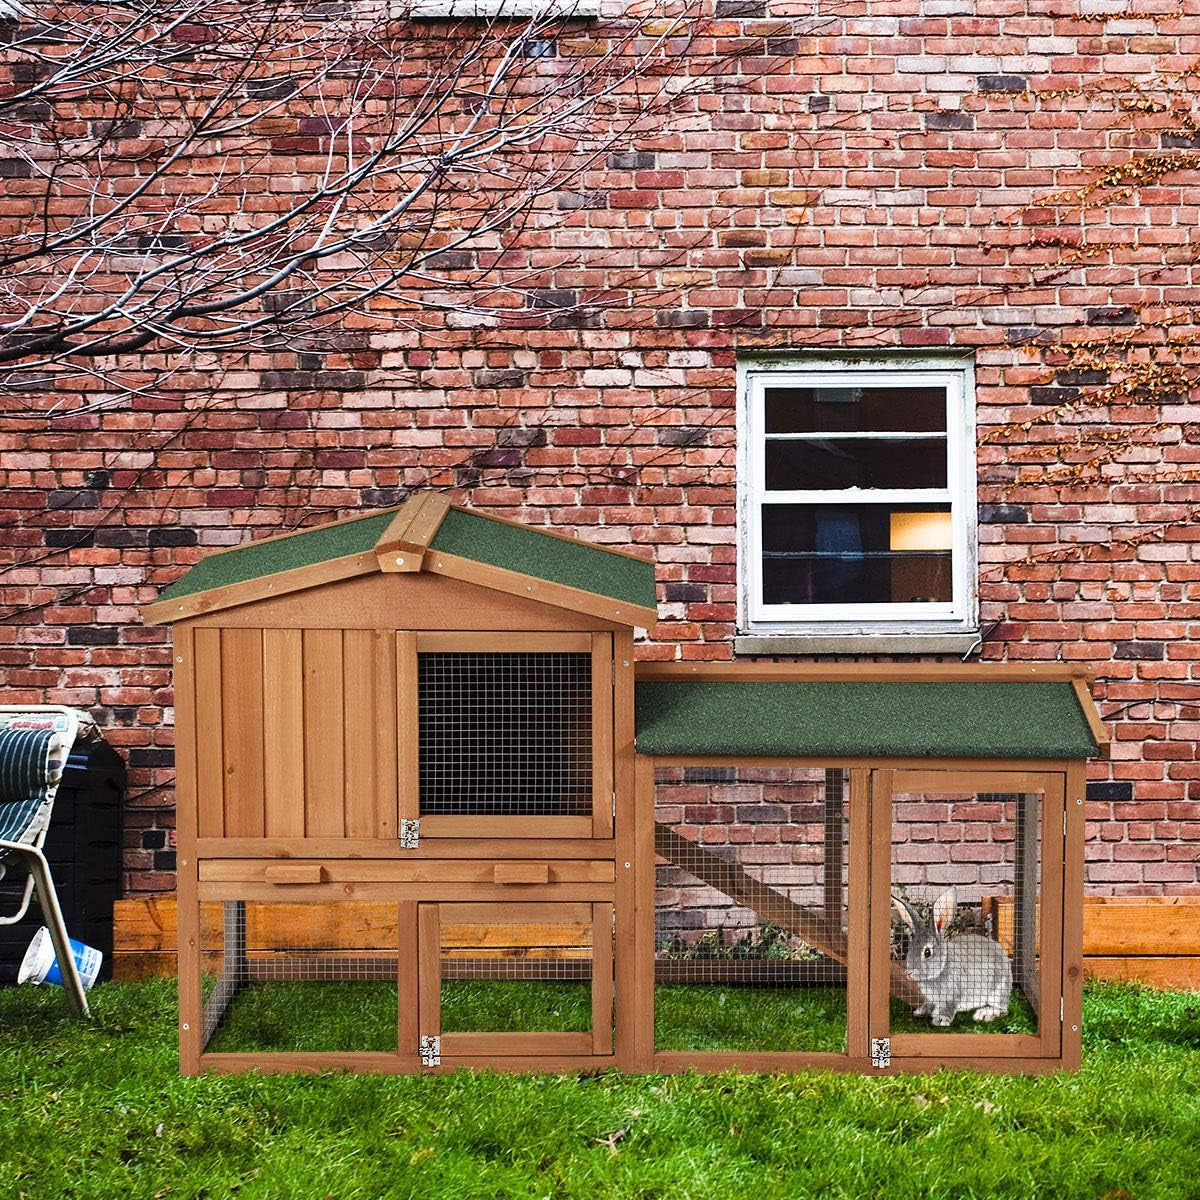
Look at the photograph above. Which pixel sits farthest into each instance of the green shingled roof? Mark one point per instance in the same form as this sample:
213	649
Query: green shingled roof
852	720
256	559
541	556
464	534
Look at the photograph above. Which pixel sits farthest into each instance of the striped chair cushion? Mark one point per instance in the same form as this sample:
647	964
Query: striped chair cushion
31	766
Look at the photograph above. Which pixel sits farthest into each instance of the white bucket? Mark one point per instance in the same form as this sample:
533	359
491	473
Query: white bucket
41	966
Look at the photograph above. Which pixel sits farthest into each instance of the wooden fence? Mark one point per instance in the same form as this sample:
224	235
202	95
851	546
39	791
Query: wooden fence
1153	940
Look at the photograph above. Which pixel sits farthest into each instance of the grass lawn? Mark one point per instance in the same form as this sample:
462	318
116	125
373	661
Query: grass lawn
97	1110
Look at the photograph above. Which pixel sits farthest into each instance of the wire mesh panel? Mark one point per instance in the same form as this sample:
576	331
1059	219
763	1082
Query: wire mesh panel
966	918
751	909
299	977
515	976
505	734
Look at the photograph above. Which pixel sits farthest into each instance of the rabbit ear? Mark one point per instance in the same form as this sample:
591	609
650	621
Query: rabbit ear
906	913
944	908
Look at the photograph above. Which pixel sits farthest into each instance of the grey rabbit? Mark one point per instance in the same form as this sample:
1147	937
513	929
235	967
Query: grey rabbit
965	973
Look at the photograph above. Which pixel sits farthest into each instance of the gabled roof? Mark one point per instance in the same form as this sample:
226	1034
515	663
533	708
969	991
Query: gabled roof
426	534
980	711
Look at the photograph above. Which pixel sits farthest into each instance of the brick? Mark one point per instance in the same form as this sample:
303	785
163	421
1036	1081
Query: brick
1003	514
882	184
1149	651
1002	83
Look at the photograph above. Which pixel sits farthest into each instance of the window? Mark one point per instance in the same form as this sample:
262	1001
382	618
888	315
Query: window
856	497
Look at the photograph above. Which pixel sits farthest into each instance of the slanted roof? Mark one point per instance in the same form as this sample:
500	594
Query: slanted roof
424	534
845	718
274	556
524	550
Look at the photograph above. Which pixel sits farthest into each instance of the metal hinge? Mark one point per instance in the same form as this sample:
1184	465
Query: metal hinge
410	834
881	1053
1064	824
431	1051
1062	1009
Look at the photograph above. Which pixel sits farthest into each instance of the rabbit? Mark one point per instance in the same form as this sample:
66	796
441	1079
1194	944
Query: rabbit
965	973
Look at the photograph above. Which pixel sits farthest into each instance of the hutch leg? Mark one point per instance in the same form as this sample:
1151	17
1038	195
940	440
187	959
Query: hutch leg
1072	945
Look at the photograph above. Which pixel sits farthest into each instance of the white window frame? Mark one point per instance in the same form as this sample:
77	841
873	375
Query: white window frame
957	377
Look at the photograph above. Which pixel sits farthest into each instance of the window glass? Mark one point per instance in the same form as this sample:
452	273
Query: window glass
854	409
819	463
856	554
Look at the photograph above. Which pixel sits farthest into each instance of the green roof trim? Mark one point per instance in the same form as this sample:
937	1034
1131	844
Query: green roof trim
540	556
851	720
257	559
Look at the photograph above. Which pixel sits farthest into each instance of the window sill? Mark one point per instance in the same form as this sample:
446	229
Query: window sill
856	643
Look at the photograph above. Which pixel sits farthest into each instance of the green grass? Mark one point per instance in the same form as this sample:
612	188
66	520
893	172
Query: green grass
700	1016
1020	1019
309	1016
329	1016
96	1110
512	1006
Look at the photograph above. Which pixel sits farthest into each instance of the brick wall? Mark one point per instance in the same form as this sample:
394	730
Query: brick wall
890	176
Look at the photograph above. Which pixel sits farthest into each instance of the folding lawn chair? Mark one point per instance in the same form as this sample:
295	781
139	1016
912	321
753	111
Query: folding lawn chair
34	743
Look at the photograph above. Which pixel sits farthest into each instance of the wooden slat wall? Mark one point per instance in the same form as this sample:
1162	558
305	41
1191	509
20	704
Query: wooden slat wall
369	687
210	792
283	732
297	733
242	731
324	740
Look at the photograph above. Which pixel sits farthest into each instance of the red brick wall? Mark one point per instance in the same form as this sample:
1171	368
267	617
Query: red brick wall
885	178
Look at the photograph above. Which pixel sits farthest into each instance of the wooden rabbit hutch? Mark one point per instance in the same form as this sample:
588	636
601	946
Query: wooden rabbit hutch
415	833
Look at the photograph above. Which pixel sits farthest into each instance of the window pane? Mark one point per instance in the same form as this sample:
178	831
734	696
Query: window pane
856	554
855	462
855	410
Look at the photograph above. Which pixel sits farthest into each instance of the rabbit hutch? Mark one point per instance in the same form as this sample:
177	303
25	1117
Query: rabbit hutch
430	815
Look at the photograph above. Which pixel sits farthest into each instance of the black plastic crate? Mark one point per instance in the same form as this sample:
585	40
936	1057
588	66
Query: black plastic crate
83	848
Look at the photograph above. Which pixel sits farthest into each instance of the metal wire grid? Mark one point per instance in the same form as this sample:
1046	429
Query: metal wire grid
987	847
752	891
505	734
248	942
517	976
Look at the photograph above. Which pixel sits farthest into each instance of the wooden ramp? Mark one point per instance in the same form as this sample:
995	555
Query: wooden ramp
732	880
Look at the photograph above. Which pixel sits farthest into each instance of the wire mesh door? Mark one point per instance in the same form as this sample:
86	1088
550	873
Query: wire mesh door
514	734
753	928
968	910
516	979
315	977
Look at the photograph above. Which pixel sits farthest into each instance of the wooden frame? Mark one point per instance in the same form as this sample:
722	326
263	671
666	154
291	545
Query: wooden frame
298	780
871	977
973	1049
851	951
244	964
460	1046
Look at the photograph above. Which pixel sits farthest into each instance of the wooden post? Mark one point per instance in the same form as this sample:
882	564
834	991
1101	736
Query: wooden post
643	942
1072	941
1026	887
881	965
858	928
187	877
626	865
